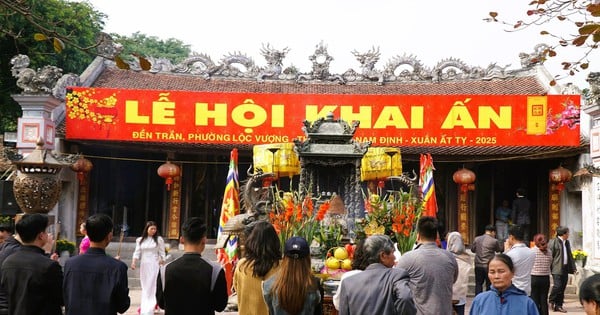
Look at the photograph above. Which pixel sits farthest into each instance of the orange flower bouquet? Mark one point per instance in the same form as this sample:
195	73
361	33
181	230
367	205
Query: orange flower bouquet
395	215
294	215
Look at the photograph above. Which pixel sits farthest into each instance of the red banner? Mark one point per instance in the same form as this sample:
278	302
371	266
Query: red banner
385	120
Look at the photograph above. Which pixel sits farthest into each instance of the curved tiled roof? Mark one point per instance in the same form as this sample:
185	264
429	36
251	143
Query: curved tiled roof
128	79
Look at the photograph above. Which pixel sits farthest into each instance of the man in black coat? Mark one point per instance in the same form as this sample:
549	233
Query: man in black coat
191	284
96	284
32	281
562	265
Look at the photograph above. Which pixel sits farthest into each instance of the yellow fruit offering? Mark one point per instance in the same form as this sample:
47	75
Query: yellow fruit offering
332	263
347	264
340	253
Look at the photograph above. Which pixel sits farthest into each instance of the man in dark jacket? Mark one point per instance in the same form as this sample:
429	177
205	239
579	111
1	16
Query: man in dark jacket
484	246
562	266
32	280
379	289
191	284
520	214
96	284
10	246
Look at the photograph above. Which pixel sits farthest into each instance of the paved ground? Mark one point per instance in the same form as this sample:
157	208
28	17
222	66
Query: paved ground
135	303
572	305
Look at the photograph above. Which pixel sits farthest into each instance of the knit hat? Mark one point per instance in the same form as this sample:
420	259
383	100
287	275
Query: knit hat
296	247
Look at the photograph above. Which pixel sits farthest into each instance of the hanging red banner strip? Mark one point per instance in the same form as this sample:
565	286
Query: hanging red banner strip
385	120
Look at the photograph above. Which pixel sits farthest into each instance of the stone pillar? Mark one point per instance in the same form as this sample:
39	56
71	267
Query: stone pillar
36	121
591	203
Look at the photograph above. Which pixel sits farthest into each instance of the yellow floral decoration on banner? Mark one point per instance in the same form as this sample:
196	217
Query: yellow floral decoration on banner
83	106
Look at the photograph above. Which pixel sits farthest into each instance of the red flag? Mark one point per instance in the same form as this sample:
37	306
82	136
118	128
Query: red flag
427	185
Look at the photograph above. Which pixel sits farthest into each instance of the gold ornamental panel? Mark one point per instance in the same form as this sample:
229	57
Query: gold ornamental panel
36	193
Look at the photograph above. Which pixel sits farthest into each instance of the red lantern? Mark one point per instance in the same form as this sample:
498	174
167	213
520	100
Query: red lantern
559	176
464	177
168	171
82	166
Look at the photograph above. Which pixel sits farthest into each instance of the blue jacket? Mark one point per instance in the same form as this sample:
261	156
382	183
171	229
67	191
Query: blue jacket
95	284
512	301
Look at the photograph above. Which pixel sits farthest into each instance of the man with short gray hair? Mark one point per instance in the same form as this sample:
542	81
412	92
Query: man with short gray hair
562	266
379	289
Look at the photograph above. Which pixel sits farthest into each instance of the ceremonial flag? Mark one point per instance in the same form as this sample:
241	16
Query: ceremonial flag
427	186
230	207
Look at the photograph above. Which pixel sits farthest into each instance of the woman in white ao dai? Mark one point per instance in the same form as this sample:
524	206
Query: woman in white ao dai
150	252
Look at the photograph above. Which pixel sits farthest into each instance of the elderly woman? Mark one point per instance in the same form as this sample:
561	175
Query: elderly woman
459	290
503	298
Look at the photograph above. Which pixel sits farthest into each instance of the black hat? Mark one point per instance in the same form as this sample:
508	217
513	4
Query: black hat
296	247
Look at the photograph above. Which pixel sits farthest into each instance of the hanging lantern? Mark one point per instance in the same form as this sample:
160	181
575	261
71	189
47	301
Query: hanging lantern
465	178
380	163
81	167
559	176
168	171
277	158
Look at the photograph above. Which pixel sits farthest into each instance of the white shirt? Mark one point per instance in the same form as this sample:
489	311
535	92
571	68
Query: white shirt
523	259
564	250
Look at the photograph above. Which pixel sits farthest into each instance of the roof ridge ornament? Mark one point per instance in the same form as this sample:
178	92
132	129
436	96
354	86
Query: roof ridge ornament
400	68
320	66
367	64
538	56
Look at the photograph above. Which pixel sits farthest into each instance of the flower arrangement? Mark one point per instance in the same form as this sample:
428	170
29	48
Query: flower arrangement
579	254
294	215
65	245
394	215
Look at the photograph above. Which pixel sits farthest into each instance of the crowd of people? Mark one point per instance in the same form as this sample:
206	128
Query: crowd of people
511	278
32	282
